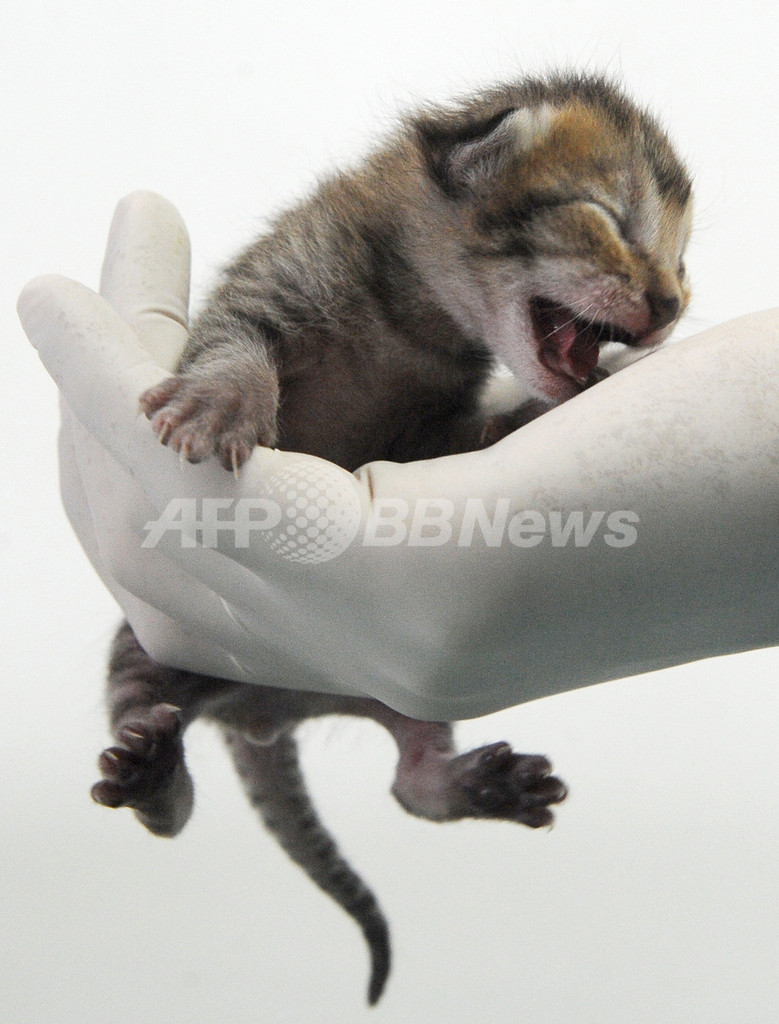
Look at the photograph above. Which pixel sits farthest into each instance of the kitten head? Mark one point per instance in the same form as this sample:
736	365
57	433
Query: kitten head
566	216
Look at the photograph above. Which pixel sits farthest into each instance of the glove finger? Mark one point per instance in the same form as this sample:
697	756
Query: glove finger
73	491
145	274
82	471
107	509
94	358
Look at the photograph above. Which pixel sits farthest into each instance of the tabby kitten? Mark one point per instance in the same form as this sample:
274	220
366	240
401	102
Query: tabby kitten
527	226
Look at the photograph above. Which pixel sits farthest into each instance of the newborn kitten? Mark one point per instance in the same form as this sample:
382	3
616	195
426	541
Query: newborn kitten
527	226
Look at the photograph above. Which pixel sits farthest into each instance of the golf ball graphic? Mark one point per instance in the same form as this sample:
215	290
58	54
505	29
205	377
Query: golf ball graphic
320	512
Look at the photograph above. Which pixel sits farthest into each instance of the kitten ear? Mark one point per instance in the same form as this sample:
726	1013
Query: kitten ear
462	154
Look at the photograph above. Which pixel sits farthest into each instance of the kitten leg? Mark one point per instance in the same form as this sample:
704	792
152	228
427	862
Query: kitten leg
149	708
434	781
223	401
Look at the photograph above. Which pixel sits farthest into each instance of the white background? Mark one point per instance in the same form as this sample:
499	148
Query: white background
654	899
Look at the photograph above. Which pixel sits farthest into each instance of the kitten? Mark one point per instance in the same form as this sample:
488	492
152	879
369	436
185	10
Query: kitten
526	226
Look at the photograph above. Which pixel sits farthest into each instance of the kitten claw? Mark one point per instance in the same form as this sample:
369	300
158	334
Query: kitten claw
170	707
140	742
112	756
107	794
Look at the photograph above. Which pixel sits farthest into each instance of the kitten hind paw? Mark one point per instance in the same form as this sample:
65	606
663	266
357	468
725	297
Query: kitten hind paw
490	782
145	770
494	782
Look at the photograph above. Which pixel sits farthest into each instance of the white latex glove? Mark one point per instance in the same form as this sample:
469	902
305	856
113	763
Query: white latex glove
433	622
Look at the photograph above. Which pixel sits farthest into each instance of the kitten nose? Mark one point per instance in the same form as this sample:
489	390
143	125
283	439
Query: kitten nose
663	309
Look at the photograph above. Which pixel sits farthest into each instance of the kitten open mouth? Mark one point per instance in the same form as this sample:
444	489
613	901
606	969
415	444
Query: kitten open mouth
569	344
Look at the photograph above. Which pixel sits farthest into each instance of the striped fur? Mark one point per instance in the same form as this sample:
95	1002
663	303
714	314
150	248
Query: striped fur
525	226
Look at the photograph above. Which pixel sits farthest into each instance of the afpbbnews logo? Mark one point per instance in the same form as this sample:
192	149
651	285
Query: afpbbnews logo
311	512
431	522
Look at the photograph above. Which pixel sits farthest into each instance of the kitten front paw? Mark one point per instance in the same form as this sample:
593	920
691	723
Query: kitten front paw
198	416
146	771
494	782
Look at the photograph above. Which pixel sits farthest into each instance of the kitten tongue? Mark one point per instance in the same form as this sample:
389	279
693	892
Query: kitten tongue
566	347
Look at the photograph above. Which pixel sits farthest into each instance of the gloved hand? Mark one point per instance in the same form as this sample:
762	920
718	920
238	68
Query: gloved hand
633	528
